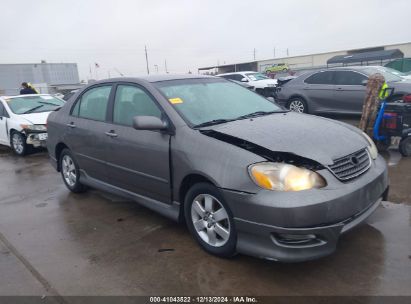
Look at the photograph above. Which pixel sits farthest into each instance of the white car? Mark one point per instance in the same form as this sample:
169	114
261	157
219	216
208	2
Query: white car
23	120
262	84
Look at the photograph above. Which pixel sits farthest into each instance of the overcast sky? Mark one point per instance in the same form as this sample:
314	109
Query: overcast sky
191	34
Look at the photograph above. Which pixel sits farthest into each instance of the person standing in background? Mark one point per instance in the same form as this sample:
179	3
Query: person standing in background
27	89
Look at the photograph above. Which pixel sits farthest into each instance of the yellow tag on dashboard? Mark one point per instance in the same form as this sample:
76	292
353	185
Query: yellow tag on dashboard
176	100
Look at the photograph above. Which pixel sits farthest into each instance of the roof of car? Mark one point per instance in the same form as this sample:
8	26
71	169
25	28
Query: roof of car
356	67
240	72
157	77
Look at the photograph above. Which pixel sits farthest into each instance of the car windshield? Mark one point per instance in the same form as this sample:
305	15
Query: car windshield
201	101
256	76
386	72
34	104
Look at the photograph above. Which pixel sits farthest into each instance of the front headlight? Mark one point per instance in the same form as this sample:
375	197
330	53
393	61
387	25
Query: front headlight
34	127
372	148
285	177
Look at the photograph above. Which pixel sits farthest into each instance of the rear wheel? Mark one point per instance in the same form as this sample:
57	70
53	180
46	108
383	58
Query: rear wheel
298	105
18	143
405	146
70	172
210	220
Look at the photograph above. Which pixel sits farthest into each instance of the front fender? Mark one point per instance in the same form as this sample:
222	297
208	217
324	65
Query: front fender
224	164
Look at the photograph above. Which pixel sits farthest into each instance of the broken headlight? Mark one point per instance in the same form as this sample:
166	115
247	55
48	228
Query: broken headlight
34	127
372	148
285	177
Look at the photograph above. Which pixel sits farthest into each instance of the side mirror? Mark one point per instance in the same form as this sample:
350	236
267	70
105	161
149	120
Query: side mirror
149	123
364	82
244	80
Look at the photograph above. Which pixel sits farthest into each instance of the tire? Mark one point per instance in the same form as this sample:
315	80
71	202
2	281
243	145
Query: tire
405	146
202	205
70	172
298	105
18	143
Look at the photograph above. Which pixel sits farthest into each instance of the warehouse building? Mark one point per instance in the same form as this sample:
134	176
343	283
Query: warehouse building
46	77
365	56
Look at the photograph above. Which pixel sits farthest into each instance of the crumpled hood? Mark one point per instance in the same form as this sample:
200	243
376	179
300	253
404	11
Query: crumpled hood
36	118
316	138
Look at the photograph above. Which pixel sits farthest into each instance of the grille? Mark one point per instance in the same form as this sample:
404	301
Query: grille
351	166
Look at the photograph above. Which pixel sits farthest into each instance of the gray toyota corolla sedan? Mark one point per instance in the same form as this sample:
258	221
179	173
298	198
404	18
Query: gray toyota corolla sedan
245	175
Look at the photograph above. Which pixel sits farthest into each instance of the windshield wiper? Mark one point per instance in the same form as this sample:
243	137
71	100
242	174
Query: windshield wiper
48	103
32	109
212	122
259	113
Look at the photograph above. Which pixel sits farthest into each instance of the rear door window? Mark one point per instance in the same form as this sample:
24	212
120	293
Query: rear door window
349	78
323	77
93	103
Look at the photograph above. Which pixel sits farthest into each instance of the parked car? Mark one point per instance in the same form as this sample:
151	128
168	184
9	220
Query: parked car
263	85
243	84
237	168
278	67
337	90
23	120
68	95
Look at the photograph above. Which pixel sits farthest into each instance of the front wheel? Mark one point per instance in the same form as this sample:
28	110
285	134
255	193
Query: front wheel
298	105
18	143
405	146
210	220
70	172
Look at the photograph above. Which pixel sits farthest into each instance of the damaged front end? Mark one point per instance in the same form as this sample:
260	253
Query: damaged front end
274	156
36	135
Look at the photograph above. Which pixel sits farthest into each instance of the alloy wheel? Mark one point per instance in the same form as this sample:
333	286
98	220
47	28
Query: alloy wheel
69	170
297	106
210	220
18	144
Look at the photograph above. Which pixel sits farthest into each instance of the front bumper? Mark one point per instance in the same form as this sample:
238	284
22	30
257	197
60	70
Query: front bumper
305	225
267	91
281	102
36	139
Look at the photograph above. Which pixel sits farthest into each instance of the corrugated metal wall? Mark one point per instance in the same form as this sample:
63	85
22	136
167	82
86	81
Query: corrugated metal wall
12	75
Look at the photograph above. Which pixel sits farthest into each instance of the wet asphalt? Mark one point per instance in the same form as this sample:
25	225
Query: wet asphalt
53	242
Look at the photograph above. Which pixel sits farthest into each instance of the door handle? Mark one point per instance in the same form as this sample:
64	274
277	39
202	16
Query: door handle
71	125
339	89
111	134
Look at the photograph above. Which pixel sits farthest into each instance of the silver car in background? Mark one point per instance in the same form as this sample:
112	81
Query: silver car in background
337	90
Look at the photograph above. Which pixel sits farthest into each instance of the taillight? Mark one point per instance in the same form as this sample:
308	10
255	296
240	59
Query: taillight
407	98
